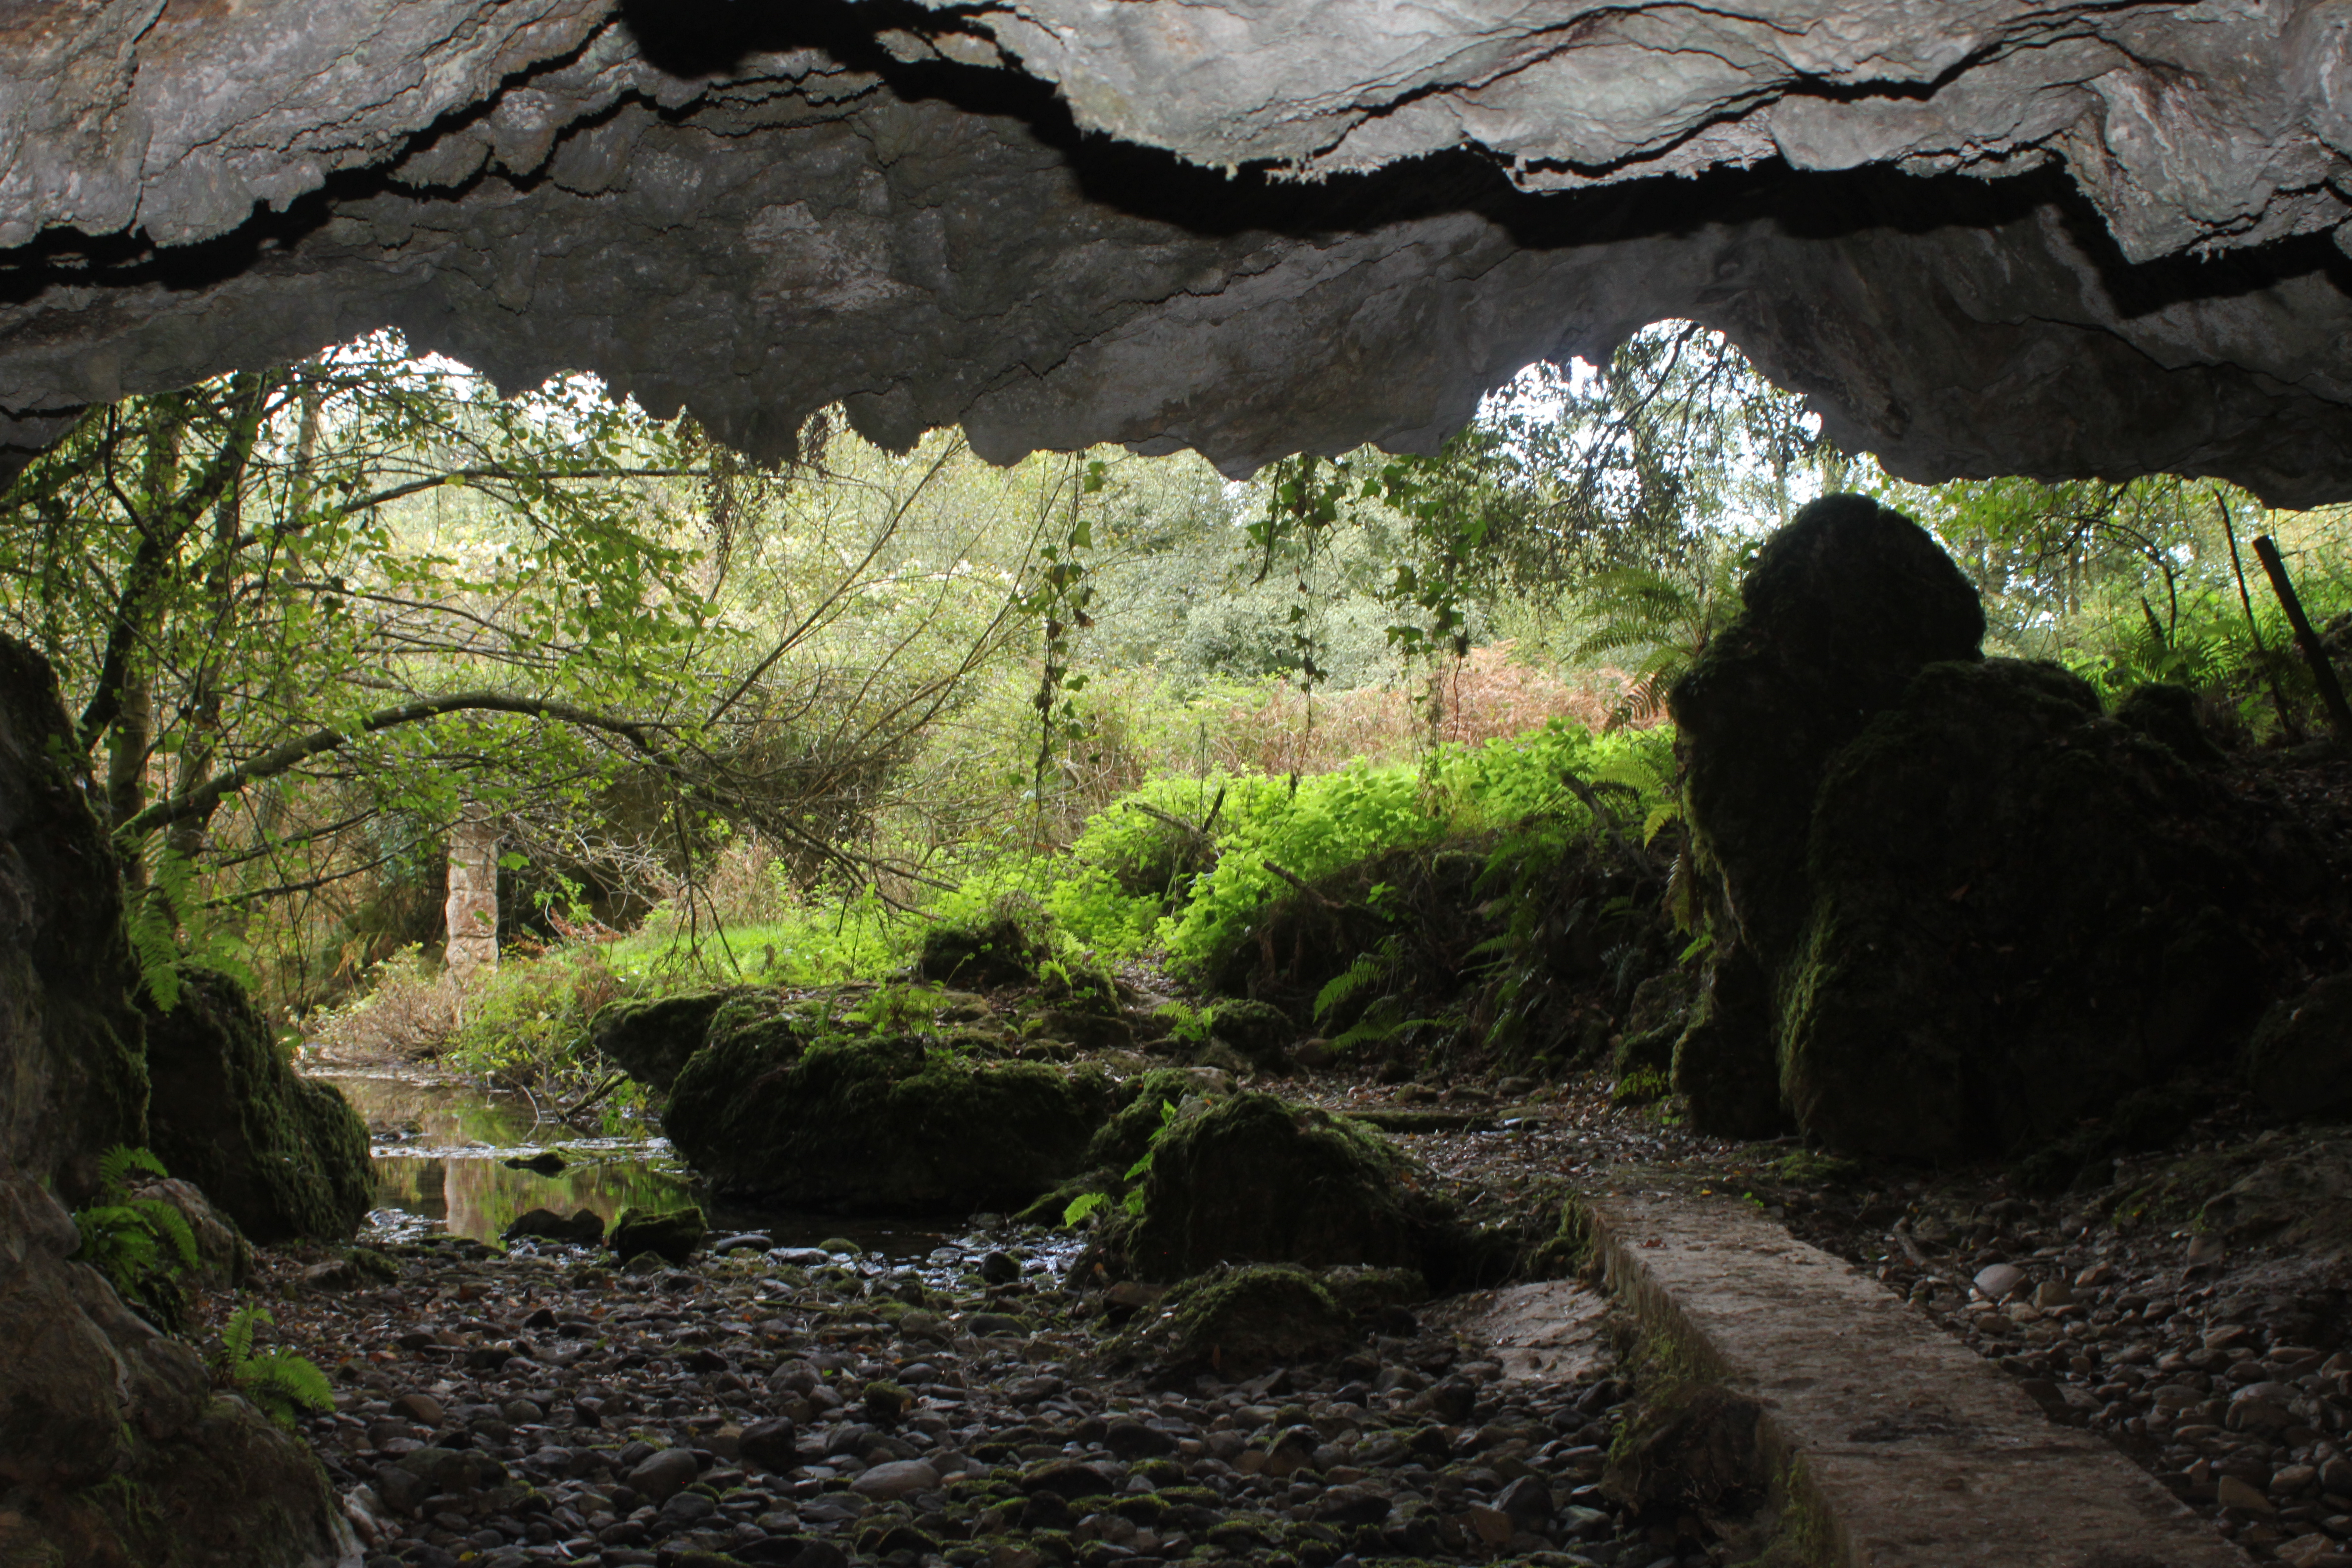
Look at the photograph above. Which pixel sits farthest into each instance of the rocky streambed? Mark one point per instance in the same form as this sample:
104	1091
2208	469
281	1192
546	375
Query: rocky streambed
791	1405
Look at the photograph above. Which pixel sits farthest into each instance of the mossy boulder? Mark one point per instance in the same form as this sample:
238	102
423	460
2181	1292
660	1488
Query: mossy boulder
1240	1320
284	1157
1256	1179
1955	908
2301	1059
651	1039
885	1124
1260	1032
2167	714
671	1235
2020	915
1840	609
1005	944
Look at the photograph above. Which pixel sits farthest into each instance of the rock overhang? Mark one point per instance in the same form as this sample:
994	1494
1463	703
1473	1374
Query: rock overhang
1251	229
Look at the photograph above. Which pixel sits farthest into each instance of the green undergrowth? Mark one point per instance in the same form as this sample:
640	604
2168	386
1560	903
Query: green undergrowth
1206	874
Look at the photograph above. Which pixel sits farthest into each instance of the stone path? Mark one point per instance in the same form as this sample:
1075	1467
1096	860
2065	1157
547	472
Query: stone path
1915	1452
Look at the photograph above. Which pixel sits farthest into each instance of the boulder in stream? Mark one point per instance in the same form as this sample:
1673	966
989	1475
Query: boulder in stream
670	1235
285	1157
881	1124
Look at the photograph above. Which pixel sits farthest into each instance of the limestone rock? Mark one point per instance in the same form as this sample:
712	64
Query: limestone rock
1955	908
883	1124
650	1040
285	1157
105	1425
2022	913
1255	1179
671	1235
1973	234
2301	1059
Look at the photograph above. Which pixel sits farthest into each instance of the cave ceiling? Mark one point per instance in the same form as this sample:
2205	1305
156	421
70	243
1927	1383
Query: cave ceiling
1982	236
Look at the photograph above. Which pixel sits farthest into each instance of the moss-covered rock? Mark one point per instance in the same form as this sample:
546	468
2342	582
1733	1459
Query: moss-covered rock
1242	1320
2167	713
882	1124
70	1043
1003	945
651	1039
671	1235
1841	608
2301	1059
1255	1179
2018	918
1955	908
284	1157
1260	1032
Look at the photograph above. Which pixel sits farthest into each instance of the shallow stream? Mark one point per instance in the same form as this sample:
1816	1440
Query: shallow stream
447	1158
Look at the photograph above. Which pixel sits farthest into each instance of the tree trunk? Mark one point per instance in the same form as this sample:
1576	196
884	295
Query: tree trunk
471	911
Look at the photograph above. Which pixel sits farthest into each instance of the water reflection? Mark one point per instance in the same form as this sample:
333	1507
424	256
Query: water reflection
441	1152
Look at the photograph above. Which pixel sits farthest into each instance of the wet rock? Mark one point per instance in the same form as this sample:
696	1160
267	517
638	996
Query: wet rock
1066	1479
1257	1179
283	1157
881	1125
770	1445
2301	1059
663	1475
584	1229
651	1040
670	1235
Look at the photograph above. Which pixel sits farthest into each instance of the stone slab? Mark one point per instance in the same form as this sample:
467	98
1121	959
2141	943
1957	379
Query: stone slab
1912	1450
1550	1332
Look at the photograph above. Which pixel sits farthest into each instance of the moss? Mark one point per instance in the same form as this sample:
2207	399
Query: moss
1258	1179
881	1125
1239	1320
2015	920
651	1040
1004	945
285	1157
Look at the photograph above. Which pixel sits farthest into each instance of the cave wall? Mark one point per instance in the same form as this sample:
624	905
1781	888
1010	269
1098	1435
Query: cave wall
114	1447
1984	237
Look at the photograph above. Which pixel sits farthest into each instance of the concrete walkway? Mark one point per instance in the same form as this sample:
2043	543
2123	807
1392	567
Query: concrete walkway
1915	1451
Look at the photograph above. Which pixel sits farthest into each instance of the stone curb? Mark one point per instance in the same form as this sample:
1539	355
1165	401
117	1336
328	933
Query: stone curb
1897	1445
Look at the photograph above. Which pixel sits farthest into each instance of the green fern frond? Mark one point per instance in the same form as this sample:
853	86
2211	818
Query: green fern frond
172	1225
1356	977
282	1382
114	1167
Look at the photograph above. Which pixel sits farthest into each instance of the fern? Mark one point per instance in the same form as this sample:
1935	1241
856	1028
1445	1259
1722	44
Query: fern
279	1384
1082	1205
1348	982
125	1238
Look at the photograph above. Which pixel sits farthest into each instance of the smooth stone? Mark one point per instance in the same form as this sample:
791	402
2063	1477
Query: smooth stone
665	1475
897	1478
1997	1281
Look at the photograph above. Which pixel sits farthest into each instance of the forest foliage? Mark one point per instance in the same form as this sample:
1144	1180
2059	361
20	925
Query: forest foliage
772	721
